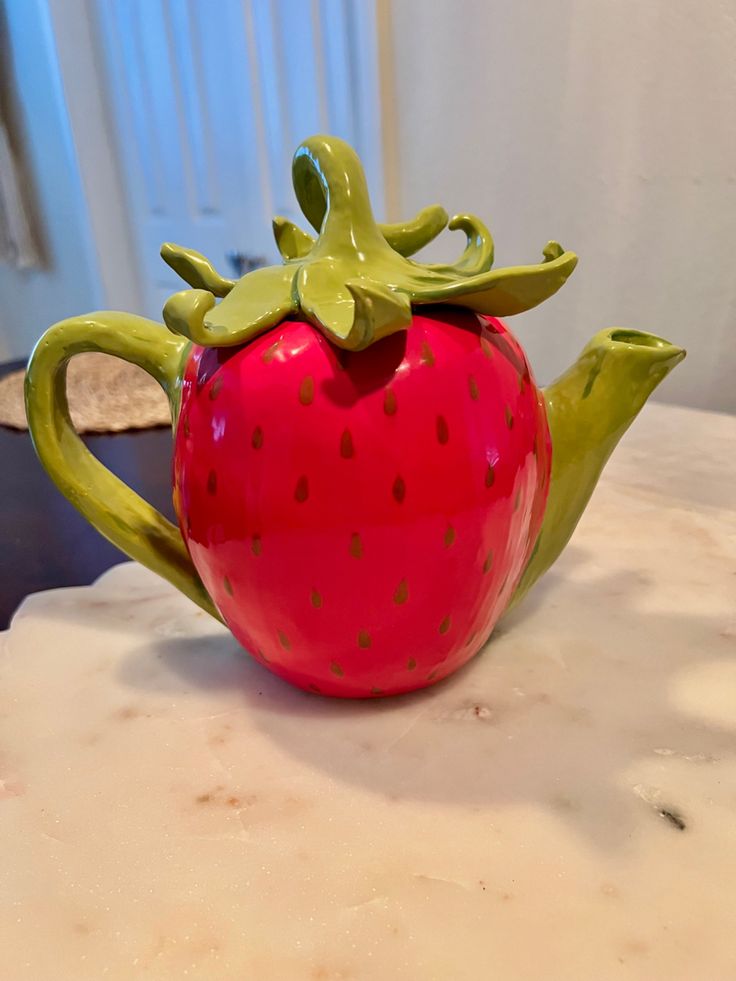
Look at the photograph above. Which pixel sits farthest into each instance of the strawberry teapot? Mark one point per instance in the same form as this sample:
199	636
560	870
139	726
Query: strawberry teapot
365	473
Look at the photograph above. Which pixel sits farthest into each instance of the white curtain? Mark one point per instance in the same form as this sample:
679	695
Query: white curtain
17	246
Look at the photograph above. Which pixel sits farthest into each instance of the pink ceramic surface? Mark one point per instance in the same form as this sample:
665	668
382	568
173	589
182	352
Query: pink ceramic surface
361	519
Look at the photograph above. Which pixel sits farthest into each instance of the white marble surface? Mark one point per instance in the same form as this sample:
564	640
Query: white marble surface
564	808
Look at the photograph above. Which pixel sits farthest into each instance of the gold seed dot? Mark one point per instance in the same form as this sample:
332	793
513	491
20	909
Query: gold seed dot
306	390
445	625
347	450
521	382
427	355
411	664
284	641
450	536
336	669
255	545
443	433
316	599
399	490
376	691
535	448
356	546
364	640
486	347
488	563
517	500
389	402
256	439
270	353
432	675
473	387
509	417
301	492
402	593
212	482
228	586
490	475
187	431
215	388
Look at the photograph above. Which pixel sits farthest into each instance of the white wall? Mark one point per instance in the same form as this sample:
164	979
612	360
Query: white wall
81	65
69	281
607	124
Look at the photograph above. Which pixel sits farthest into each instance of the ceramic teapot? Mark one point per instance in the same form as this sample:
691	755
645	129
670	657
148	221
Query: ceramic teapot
365	474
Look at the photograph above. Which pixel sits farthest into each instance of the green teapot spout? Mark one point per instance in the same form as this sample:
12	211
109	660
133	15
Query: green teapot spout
589	408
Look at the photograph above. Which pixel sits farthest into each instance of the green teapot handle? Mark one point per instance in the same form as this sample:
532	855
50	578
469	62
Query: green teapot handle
115	510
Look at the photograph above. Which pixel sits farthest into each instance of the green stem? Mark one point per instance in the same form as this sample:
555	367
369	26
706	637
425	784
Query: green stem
331	189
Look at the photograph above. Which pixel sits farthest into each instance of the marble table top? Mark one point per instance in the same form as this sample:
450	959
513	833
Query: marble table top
563	808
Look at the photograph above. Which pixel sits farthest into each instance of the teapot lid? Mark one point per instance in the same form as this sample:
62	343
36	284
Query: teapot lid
355	280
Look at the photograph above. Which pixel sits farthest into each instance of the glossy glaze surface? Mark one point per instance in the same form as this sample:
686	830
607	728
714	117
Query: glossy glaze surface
589	408
361	520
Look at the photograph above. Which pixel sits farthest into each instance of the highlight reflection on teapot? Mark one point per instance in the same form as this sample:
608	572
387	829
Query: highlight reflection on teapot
366	476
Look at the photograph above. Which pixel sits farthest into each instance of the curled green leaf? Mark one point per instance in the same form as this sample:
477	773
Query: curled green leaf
184	314
245	313
505	292
552	250
291	241
408	237
478	255
195	269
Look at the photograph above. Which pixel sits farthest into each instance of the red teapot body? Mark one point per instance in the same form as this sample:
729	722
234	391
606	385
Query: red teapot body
361	519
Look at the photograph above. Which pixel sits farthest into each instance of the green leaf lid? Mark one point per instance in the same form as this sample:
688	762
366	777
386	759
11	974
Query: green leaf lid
355	281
